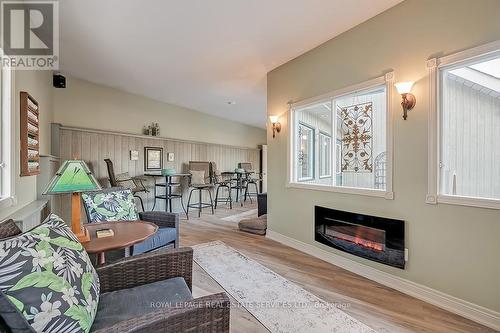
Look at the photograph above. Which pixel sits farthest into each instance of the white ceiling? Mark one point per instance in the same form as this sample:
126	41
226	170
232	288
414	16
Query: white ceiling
196	53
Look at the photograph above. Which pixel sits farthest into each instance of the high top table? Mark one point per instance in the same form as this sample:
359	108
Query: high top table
240	178
168	185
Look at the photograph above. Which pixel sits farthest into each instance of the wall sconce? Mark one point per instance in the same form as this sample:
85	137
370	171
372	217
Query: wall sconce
409	99
276	125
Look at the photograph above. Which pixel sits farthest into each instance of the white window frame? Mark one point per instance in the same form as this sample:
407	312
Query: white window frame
8	142
434	66
388	81
320	155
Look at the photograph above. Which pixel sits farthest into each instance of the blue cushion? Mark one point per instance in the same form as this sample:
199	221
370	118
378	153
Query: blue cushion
162	237
130	303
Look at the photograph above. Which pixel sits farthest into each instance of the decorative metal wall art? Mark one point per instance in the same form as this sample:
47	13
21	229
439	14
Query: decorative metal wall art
381	171
357	138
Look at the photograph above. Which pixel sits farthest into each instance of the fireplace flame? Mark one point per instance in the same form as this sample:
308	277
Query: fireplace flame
365	243
364	237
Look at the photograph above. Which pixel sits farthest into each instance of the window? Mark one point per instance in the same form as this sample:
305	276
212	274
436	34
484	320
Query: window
337	139
305	152
468	122
325	158
6	149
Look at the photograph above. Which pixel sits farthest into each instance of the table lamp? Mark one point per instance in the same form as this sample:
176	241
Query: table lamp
74	177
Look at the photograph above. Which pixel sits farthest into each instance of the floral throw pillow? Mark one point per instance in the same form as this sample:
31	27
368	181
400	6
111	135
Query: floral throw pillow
46	274
110	206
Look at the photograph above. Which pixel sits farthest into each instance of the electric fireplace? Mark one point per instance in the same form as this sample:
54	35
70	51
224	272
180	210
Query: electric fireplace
376	238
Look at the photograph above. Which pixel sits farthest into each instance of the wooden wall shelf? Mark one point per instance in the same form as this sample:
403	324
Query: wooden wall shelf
30	135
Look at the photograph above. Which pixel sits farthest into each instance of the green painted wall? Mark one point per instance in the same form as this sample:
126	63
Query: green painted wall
452	249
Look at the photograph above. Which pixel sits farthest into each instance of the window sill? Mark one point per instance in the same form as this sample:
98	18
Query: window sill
466	201
7	202
346	190
305	180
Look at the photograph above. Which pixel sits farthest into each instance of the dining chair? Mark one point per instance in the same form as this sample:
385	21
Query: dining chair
124	180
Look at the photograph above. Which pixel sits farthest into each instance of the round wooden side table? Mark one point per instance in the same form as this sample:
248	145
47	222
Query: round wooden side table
126	234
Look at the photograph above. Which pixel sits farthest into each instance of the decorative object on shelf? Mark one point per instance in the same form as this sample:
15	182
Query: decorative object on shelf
153	158
152	130
276	125
30	135
134	155
409	99
357	138
74	177
170	157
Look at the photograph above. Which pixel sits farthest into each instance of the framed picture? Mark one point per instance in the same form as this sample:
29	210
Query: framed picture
134	155
153	158
170	157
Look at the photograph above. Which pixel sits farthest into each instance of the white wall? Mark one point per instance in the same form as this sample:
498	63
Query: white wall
88	105
84	104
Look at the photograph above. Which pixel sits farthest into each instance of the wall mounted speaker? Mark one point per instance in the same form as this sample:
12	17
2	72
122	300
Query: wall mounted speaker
59	81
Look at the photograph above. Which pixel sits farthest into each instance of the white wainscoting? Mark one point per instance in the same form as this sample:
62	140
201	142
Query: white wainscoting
93	146
450	303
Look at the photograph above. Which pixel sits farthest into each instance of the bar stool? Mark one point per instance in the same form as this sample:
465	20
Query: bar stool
250	180
198	182
222	180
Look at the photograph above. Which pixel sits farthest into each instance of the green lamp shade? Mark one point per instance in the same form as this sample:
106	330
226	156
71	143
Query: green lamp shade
72	176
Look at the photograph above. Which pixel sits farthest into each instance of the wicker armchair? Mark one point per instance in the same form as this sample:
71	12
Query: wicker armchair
168	223
204	314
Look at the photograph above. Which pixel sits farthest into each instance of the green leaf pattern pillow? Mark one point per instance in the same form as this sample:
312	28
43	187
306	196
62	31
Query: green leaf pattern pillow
48	276
110	206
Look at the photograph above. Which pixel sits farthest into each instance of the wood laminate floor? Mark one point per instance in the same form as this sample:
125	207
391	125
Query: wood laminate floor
382	308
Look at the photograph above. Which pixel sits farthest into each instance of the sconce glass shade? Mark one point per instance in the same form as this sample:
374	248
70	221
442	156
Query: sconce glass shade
73	176
404	87
273	119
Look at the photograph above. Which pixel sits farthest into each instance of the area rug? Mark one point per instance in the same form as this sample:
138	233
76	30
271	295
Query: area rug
241	216
280	305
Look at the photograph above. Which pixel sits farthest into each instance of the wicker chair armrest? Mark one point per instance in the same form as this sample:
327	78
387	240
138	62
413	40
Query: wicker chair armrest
204	314
147	268
161	219
9	228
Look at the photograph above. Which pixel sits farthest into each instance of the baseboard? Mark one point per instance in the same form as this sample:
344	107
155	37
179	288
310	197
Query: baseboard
447	302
